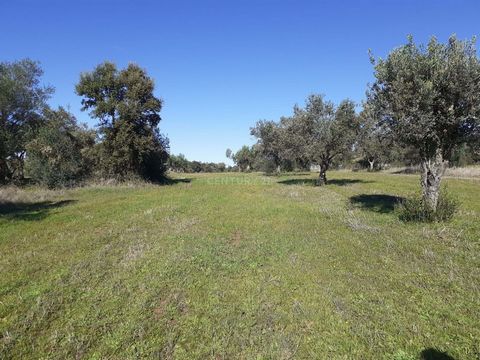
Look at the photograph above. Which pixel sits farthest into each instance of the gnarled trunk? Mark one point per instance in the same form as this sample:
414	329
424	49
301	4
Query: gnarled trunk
322	176
432	172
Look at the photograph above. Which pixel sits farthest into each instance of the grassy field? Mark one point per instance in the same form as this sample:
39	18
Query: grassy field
245	266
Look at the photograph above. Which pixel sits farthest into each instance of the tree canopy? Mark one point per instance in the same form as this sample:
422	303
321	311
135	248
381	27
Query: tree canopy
429	96
128	113
22	100
59	153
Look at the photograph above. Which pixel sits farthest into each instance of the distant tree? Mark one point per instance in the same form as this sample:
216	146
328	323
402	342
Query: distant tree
244	158
22	101
221	167
429	97
271	148
320	132
128	114
57	155
228	153
178	163
375	142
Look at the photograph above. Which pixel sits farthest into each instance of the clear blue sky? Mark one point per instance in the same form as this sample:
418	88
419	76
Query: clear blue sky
222	65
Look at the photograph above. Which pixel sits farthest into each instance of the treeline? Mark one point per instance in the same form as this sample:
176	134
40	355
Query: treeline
423	108
179	163
372	149
49	146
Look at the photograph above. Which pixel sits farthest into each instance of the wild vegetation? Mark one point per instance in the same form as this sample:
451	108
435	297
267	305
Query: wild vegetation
57	151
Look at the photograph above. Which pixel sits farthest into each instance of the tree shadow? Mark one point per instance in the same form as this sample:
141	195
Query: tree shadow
307	182
170	181
434	354
407	170
376	202
312	182
30	211
344	182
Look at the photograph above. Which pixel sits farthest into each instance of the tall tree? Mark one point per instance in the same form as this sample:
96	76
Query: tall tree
128	115
429	96
321	131
22	101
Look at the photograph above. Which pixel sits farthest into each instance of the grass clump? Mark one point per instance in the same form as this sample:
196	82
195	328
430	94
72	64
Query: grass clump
416	209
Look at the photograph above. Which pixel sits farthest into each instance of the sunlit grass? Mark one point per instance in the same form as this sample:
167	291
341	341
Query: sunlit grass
238	266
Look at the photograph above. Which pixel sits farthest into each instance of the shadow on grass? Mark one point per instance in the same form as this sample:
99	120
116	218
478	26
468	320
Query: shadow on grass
311	182
407	171
434	354
30	211
170	181
376	202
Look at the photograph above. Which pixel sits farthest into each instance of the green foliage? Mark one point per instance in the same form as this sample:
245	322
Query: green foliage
416	209
464	155
22	101
375	142
317	134
244	158
179	163
430	95
58	155
128	114
270	147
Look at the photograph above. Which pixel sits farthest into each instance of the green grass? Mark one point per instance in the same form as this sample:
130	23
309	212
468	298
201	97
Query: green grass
239	266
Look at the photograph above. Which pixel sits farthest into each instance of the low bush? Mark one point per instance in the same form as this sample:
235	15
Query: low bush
416	209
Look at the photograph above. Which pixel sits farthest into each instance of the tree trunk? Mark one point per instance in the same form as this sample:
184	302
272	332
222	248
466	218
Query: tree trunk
371	163
322	176
432	172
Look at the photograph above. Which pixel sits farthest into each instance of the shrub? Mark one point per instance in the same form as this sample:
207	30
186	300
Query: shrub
56	156
416	209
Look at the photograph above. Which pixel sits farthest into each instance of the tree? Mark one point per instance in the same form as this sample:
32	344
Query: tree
269	144
128	114
244	158
429	96
375	142
22	101
57	156
320	132
179	163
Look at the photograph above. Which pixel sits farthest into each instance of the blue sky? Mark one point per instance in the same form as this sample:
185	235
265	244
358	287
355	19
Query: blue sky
221	65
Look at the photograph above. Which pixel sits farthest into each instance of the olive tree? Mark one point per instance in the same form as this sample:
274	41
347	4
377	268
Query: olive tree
429	96
269	144
375	142
322	131
244	158
22	101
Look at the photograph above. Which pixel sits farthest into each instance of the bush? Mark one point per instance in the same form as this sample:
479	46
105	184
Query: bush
416	209
56	157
